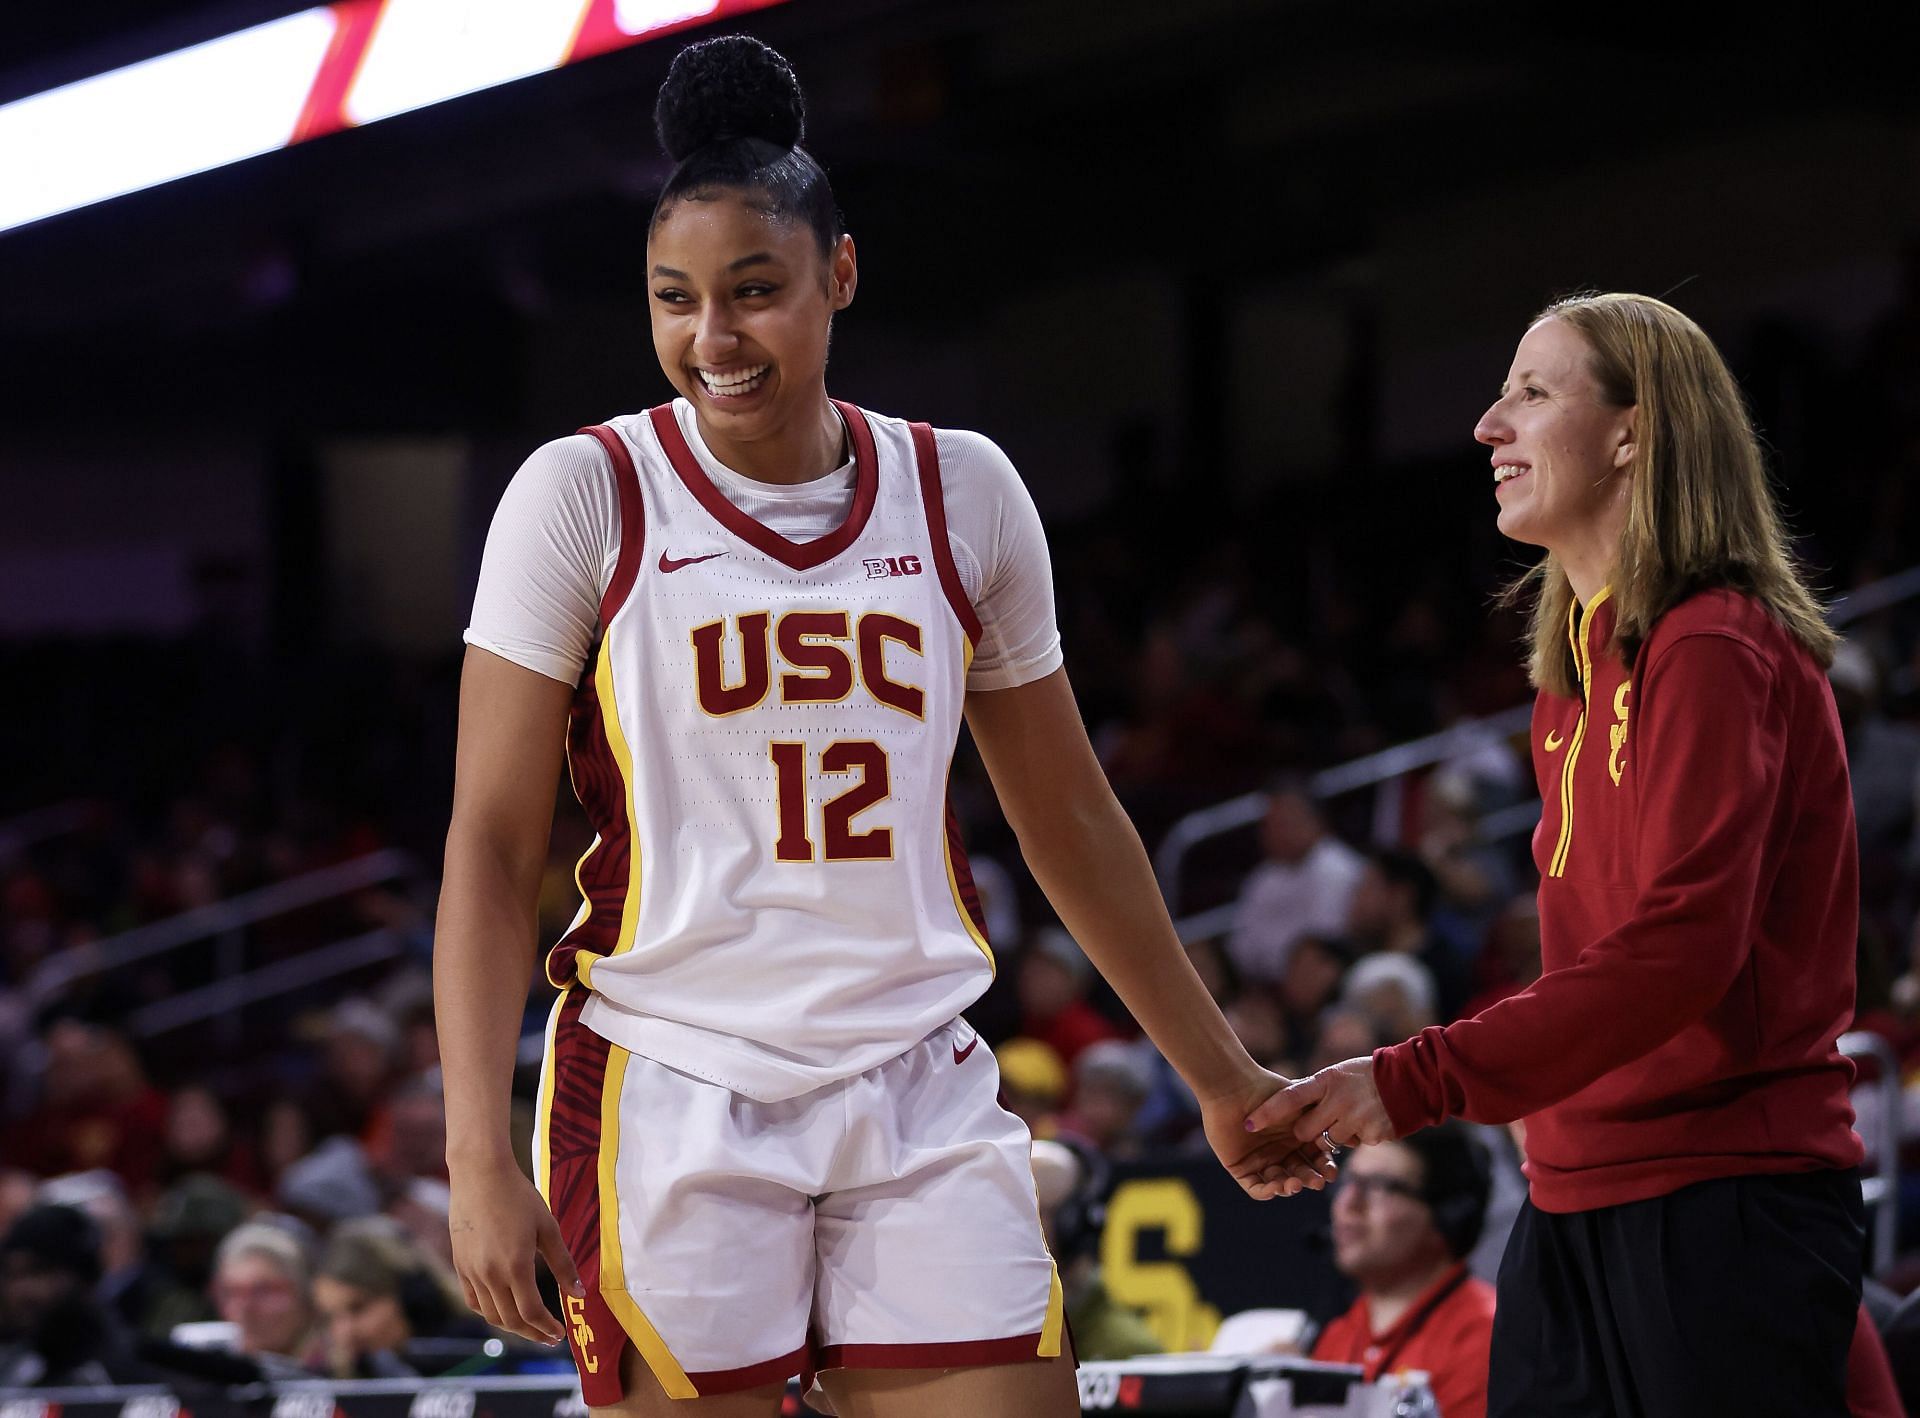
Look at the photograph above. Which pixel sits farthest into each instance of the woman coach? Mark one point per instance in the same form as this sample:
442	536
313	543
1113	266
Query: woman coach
1692	1243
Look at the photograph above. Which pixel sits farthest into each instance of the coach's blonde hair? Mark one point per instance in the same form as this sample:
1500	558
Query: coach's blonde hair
1700	514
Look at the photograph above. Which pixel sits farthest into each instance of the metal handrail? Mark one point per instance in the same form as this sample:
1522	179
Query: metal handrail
1365	772
1874	596
224	998
1881	1191
1396	762
218	919
54	820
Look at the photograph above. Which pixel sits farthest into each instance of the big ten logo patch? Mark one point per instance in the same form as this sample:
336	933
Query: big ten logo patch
1616	765
823	654
892	566
582	1333
442	1403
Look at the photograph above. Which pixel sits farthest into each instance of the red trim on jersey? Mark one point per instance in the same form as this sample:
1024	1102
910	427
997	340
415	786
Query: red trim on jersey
573	1193
801	556
633	522
604	873
752	1376
931	1356
963	873
325	109
931	498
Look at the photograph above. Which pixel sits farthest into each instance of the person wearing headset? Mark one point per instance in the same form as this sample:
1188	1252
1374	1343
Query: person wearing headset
1405	1217
1072	1182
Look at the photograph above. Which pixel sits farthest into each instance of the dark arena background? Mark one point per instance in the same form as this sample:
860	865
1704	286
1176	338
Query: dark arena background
1229	282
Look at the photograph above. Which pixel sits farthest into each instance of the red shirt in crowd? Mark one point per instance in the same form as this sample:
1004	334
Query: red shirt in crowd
1072	1031
1699	898
1446	1333
127	1136
1871	1391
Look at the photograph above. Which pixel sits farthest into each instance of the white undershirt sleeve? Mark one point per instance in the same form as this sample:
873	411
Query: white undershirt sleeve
550	554
1000	551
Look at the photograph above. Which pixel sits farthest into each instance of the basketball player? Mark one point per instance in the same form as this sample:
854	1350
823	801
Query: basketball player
754	616
1693	1239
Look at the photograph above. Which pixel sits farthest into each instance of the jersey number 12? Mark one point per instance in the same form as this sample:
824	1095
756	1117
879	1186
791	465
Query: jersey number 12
840	842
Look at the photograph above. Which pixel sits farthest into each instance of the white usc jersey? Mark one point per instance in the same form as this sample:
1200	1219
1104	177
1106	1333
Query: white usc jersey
777	897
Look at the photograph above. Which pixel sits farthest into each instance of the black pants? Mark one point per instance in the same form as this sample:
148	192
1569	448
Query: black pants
1733	1297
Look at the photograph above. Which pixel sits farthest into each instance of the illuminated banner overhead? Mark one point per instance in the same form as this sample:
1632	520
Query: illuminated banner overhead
310	74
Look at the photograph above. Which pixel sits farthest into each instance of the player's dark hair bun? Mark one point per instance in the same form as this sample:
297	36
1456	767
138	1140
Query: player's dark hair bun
730	87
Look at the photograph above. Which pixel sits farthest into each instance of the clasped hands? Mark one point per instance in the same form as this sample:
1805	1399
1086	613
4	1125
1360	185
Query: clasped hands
1289	1138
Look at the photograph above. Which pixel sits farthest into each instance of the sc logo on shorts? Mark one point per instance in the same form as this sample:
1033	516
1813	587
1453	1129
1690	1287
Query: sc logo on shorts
582	1333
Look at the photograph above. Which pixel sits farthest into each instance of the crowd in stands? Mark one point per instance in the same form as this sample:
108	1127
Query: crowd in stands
277	1173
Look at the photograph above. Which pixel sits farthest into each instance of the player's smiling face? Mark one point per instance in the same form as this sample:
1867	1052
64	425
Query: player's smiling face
1557	442
741	305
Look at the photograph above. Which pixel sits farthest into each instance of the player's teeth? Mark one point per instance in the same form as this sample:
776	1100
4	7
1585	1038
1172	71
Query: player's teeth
732	381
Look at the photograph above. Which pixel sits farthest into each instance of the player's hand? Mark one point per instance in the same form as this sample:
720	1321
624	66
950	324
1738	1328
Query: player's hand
1268	1165
499	1222
1340	1103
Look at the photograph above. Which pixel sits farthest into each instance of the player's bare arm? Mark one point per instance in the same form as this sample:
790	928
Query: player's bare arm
507	768
1088	859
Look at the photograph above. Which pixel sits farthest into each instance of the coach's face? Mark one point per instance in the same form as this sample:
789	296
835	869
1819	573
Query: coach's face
1560	450
741	306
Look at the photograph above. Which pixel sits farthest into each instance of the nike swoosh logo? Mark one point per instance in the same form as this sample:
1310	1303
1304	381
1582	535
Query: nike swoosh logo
668	563
1554	741
960	1054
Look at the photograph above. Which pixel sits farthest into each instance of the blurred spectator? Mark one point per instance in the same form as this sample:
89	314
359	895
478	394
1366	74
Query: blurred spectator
96	1108
1405	1217
361	1047
1511	960
189	1221
410	1138
1311	981
1872	1391
200	1138
262	1286
54	1332
1305	884
286	1135
1342	1033
419	1041
1392	911
1071	1184
1053	980
1111	1082
1475	878
1208	956
334	1182
1033	1084
421	1209
1883	757
17	1187
1508	1195
1396	992
376	1294
1261	1027
129	1285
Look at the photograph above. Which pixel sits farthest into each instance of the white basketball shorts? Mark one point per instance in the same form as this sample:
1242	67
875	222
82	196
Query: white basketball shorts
885	1221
